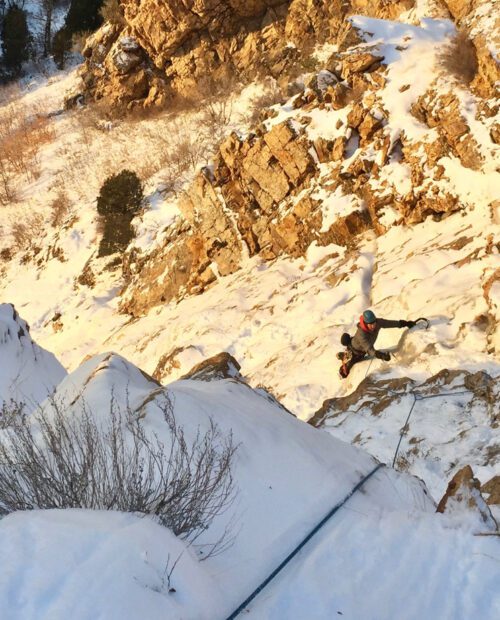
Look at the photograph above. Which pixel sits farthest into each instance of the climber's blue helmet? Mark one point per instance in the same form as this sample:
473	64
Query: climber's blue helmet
369	317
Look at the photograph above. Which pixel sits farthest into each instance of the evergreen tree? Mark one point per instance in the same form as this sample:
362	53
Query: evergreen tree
61	46
16	39
47	10
119	201
83	16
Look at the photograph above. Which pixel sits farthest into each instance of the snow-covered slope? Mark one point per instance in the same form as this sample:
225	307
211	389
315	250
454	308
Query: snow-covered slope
28	373
289	475
386	554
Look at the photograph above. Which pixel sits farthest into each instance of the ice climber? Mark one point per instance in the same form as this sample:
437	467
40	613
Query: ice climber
363	341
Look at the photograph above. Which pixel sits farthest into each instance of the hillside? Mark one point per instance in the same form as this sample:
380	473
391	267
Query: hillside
287	476
301	162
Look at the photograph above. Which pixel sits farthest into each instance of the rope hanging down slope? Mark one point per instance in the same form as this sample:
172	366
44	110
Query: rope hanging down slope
291	555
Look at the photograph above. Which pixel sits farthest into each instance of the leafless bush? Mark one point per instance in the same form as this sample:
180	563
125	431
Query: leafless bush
216	119
216	86
271	95
27	231
78	41
10	413
22	134
460	58
9	92
60	209
6	254
183	150
7	188
111	12
62	460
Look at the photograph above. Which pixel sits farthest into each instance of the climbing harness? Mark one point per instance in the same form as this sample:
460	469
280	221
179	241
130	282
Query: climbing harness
304	542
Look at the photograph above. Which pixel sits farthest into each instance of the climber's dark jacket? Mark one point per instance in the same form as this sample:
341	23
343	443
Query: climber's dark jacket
363	340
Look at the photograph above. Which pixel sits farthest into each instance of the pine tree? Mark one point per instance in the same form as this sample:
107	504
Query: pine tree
47	9
83	16
119	201
16	39
61	46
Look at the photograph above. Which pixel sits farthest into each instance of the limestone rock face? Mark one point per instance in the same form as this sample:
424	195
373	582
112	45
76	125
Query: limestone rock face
228	215
443	112
463	494
391	400
492	488
221	366
265	194
179	43
472	15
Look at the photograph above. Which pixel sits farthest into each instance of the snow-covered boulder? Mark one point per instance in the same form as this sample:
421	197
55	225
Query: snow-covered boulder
89	564
28	373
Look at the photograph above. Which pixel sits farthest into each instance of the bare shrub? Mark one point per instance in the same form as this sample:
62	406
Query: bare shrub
9	93
60	209
22	133
28	231
460	58
183	151
7	189
72	460
216	119
111	12
10	413
78	41
215	86
271	95
6	254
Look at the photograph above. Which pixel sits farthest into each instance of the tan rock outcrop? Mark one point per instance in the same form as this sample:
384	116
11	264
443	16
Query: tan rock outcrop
474	17
258	197
443	113
181	43
359	62
492	489
464	494
226	215
221	366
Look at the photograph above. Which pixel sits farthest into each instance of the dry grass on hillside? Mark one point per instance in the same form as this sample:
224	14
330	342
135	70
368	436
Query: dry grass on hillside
22	134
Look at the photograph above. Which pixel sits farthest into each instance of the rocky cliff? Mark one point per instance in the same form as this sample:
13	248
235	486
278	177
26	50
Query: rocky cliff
385	155
166	47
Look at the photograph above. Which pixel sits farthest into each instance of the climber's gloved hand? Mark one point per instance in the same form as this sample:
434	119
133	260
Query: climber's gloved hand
408	324
383	355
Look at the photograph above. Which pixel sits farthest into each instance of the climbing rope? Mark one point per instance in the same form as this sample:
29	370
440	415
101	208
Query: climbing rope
416	397
303	543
